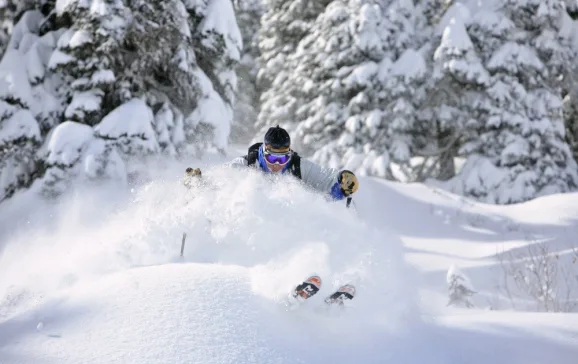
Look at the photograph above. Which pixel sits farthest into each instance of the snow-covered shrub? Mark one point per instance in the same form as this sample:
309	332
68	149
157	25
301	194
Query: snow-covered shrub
460	289
537	278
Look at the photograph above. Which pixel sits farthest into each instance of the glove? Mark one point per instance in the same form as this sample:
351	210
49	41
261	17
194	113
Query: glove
191	174
348	182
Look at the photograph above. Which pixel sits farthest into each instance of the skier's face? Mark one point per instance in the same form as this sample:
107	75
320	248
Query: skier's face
276	161
275	168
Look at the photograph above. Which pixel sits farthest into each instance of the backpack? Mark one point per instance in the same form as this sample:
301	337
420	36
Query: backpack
253	155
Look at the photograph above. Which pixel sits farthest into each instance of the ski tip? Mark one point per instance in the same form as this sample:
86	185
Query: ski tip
348	288
342	295
315	280
307	288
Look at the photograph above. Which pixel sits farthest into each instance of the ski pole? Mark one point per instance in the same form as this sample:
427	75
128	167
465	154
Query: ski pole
183	244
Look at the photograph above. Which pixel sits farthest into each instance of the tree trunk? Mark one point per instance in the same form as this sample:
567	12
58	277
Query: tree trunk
447	167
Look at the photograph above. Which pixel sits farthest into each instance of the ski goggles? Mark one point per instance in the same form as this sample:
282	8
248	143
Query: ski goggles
274	158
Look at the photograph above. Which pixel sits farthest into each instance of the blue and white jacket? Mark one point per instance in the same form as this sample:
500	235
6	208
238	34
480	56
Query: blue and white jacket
321	179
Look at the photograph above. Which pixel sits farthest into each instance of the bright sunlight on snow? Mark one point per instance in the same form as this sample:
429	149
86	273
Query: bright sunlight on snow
102	278
98	278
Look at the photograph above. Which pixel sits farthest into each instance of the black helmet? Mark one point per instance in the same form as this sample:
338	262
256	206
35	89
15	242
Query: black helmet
278	139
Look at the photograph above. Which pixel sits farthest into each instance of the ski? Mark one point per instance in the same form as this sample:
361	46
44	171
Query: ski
343	294
303	291
308	288
311	286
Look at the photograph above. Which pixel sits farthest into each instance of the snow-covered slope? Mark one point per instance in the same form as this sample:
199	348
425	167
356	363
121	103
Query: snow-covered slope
98	277
111	279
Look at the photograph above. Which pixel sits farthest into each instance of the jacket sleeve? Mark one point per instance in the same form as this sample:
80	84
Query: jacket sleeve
322	179
237	162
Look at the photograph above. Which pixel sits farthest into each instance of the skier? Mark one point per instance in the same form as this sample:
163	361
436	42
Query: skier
274	155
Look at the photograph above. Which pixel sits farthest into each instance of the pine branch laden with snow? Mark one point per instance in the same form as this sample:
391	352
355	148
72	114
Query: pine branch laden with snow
87	55
456	56
75	153
9	10
64	151
130	128
460	289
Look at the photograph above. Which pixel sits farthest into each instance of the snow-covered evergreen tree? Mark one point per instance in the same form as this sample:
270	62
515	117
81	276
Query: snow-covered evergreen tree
520	152
283	25
87	57
353	82
329	71
179	54
247	106
19	130
337	78
404	82
455	93
217	44
160	63
569	28
29	109
34	36
108	82
149	76
406	94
